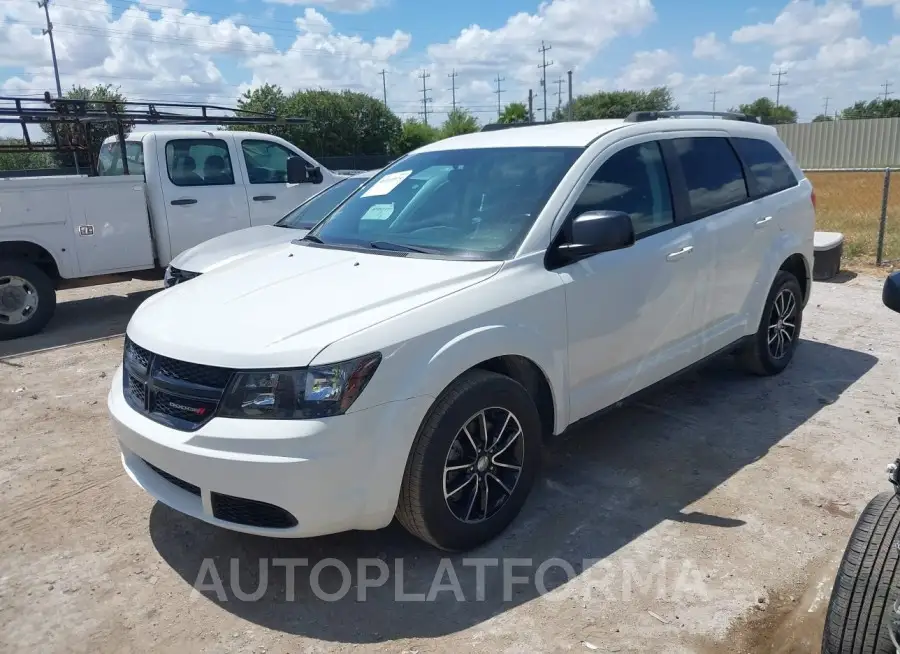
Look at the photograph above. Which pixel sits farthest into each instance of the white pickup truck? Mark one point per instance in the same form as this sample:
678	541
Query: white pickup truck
183	187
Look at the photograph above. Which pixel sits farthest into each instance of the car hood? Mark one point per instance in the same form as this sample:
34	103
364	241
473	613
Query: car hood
232	246
284	305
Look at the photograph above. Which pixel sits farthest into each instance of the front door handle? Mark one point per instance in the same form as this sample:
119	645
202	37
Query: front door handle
183	201
263	198
683	252
763	221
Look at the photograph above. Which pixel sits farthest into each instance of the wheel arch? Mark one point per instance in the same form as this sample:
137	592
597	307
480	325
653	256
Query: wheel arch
32	252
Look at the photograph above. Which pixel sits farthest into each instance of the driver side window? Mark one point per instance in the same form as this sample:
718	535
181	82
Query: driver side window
266	161
634	181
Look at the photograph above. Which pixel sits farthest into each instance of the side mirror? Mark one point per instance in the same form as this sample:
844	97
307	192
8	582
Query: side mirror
299	172
890	295
594	232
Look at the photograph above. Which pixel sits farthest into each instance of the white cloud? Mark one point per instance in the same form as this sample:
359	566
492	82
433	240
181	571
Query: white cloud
341	6
708	47
884	3
648	69
803	22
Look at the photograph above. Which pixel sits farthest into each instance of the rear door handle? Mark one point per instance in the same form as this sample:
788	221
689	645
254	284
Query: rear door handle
683	252
763	221
263	198
183	201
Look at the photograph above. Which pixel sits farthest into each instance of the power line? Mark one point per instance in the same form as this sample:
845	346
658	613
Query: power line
543	66
452	76
424	75
714	93
498	92
778	85
886	86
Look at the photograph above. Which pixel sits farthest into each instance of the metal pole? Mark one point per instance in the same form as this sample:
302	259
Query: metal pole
530	106
571	107
882	223
45	4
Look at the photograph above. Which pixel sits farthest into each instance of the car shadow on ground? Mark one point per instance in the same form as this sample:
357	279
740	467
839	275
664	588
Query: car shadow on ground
78	321
604	484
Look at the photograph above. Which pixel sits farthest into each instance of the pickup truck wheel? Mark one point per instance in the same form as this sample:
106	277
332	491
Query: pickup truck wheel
861	611
473	462
27	299
772	347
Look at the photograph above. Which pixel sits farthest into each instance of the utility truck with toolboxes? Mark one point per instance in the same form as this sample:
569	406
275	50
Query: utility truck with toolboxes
146	198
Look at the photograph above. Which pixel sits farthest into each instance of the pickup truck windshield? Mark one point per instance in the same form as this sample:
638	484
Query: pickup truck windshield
319	206
110	161
473	203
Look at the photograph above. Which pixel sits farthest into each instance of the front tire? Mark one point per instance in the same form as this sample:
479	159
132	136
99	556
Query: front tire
27	299
473	462
860	612
772	347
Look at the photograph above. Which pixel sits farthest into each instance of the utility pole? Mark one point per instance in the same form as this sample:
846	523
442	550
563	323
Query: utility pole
886	86
559	94
778	85
452	77
498	92
571	107
825	110
45	5
383	74
543	66
530	106
424	75
714	93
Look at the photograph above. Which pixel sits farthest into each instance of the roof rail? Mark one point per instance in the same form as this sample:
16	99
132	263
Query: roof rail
646	116
493	127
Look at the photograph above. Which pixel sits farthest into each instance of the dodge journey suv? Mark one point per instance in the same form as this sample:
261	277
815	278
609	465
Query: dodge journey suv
411	353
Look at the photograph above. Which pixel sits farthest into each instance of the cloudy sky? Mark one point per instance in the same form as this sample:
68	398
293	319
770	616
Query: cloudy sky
211	50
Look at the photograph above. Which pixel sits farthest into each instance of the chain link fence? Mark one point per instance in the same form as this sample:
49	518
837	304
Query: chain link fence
864	205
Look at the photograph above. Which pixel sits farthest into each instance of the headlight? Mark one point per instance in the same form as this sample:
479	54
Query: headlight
314	392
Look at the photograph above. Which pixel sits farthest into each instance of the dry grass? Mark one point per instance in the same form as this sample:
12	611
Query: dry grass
850	203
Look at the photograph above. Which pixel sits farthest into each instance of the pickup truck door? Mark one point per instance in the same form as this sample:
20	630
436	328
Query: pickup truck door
270	197
202	194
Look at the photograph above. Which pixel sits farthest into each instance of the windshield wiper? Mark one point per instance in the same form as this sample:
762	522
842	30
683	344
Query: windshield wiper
313	238
401	247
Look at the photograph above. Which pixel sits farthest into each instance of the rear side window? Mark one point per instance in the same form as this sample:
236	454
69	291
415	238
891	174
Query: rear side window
713	174
110	161
769	170
199	162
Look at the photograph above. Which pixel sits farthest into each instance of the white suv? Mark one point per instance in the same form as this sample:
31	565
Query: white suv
410	355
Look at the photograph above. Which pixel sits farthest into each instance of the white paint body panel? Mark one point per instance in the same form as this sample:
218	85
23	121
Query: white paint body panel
599	330
129	222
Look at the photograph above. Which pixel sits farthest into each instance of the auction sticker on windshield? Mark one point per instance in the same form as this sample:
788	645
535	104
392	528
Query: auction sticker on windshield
386	184
379	212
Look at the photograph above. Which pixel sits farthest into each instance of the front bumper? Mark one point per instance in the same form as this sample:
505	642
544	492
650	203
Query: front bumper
274	478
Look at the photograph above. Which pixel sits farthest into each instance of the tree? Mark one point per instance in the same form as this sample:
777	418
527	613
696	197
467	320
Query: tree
102	93
822	118
459	121
340	124
877	108
414	135
768	113
23	160
514	112
617	104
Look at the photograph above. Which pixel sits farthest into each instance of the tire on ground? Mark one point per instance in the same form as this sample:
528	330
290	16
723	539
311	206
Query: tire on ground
422	508
755	356
865	590
46	296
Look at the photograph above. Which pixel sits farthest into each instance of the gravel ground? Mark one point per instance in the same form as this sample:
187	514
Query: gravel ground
709	517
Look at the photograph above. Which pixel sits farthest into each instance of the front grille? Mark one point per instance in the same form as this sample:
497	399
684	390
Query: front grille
172	479
179	394
251	513
177	276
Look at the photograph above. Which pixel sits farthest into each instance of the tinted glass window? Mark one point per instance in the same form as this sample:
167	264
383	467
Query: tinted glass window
769	169
712	172
199	162
319	206
476	203
634	181
266	161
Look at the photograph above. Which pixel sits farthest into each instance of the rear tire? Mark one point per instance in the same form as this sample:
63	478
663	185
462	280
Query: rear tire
452	460
865	590
772	347
27	299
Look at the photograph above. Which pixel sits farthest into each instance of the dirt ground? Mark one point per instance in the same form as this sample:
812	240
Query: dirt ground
709	517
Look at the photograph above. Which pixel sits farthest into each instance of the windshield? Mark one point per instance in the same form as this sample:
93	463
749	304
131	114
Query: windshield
474	203
319	206
110	161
